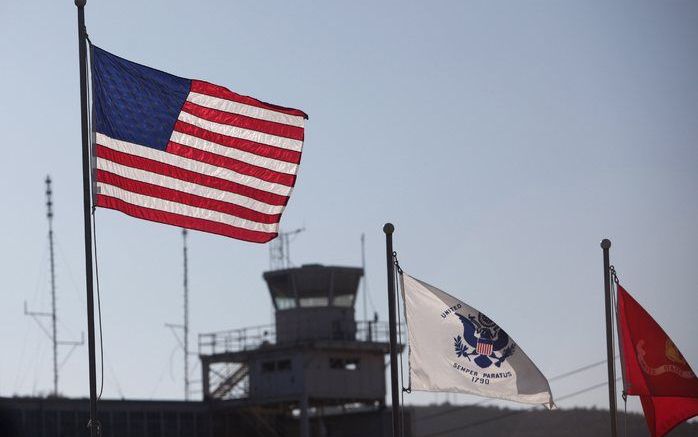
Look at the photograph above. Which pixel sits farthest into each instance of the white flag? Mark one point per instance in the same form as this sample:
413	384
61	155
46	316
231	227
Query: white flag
455	348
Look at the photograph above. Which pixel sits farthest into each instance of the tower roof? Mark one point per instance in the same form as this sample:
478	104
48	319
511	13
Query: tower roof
313	285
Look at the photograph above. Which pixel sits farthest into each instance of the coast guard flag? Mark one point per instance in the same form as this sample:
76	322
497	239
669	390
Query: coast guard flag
190	153
654	369
456	348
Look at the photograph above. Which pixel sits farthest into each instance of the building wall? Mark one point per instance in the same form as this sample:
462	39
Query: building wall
345	375
276	374
325	374
315	323
32	417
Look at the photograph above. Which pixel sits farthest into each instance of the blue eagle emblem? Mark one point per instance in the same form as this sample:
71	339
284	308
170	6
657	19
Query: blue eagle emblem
483	339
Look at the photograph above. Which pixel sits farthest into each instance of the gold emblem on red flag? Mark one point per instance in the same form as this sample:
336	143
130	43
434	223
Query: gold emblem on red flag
673	353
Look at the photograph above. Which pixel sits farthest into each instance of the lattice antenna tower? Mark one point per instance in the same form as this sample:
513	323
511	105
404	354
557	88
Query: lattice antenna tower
37	315
184	327
363	280
280	249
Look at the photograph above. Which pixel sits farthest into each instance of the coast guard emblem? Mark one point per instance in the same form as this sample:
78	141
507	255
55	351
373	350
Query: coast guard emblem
483	339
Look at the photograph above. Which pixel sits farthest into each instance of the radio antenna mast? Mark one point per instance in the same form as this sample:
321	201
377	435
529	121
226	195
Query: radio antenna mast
280	250
363	271
184	341
53	333
186	315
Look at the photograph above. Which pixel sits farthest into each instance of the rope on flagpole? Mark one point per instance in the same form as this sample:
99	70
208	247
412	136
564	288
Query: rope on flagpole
397	263
398	291
94	237
614	300
614	275
625	413
99	308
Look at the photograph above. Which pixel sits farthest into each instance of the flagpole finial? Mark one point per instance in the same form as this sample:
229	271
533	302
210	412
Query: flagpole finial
388	228
605	244
80	3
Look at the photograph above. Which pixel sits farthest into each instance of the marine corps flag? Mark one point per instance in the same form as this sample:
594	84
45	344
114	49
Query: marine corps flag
456	348
654	369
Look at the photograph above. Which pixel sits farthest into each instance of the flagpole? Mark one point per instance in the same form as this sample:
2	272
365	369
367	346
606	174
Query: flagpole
389	229
93	424
606	246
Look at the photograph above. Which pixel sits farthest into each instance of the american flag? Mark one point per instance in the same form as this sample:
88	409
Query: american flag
484	347
190	153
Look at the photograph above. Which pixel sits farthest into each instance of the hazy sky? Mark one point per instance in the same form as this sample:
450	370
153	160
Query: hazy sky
504	140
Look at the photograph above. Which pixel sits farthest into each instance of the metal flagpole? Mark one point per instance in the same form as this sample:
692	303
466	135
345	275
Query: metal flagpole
389	229
610	356
93	424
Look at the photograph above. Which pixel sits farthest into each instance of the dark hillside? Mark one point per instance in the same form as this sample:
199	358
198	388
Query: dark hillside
451	421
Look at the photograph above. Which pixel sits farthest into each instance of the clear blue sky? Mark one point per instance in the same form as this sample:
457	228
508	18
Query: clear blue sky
504	140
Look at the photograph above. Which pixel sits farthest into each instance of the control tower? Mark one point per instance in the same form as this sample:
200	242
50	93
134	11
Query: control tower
315	358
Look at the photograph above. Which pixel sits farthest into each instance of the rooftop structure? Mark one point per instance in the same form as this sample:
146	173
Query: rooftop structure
315	356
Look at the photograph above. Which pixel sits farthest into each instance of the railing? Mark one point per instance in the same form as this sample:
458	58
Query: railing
236	340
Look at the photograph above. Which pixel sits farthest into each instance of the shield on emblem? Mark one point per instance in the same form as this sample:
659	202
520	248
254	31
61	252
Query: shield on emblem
484	346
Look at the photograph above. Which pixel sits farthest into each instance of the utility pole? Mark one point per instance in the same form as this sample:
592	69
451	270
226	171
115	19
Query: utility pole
53	334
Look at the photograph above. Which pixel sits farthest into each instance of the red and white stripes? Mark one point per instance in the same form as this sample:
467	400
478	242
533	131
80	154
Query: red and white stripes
229	167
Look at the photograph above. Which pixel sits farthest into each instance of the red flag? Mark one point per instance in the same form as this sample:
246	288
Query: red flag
654	369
